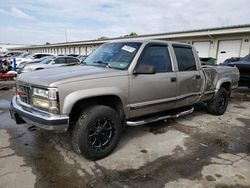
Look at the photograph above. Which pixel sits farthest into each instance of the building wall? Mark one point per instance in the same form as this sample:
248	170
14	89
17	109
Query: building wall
86	49
4	47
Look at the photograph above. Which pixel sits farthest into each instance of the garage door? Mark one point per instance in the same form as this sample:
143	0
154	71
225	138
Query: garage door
228	49
202	48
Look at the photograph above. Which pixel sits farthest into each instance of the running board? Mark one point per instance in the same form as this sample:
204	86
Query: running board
159	118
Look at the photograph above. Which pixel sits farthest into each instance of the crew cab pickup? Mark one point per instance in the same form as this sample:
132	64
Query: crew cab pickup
130	82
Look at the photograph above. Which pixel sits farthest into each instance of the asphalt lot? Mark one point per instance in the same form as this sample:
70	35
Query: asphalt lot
198	150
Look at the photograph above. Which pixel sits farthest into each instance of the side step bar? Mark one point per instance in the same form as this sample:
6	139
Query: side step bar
159	118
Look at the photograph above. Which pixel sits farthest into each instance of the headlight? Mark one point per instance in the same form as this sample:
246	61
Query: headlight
50	94
43	103
41	92
46	98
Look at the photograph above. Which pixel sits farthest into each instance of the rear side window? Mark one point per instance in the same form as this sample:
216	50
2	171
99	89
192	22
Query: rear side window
185	58
60	60
158	56
72	60
44	55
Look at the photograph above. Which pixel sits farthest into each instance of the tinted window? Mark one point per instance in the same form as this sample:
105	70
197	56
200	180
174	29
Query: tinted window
72	60
158	56
60	60
47	60
38	56
185	58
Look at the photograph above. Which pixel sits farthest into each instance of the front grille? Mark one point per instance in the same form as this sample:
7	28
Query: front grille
24	93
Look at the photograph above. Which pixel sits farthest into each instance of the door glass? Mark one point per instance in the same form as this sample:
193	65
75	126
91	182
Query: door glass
185	59
158	56
60	60
72	60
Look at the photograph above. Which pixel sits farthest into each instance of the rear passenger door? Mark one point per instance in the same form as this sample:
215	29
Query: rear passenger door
150	93
189	76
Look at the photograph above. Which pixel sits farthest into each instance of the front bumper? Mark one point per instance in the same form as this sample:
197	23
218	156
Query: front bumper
20	114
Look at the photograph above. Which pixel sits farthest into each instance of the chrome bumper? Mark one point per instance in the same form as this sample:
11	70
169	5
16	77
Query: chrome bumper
58	123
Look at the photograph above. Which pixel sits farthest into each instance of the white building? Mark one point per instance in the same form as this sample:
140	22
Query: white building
220	43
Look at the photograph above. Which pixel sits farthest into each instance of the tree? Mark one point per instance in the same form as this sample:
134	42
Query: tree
102	38
47	43
132	34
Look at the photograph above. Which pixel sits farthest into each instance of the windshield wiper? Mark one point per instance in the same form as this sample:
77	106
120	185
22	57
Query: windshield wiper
104	63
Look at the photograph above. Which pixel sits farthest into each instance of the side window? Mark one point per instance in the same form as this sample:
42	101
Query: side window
37	56
185	59
158	56
60	60
72	60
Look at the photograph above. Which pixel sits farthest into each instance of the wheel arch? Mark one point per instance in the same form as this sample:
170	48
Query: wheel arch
225	82
39	68
112	101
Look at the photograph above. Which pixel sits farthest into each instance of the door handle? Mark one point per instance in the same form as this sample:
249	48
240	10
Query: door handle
173	79
197	76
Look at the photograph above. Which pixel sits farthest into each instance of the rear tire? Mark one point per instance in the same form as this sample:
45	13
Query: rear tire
97	132
218	105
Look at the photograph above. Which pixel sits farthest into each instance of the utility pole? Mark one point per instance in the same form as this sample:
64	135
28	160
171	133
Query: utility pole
66	38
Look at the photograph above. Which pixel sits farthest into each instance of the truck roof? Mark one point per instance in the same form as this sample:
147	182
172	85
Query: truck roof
148	41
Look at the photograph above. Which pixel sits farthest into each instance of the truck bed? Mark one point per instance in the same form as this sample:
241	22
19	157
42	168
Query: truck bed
215	73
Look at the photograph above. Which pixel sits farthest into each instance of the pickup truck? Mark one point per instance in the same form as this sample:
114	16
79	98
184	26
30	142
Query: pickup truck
130	82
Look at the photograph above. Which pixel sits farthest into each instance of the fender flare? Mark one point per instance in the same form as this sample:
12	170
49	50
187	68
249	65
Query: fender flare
222	81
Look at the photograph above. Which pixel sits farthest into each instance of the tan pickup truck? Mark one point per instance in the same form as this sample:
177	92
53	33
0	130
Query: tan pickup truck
129	82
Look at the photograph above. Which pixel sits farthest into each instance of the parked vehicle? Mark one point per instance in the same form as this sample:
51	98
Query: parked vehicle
81	58
52	62
12	53
23	64
122	83
6	60
23	56
31	57
6	57
244	67
230	60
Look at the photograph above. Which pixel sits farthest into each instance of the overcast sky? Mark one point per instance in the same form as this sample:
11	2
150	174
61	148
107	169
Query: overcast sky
41	21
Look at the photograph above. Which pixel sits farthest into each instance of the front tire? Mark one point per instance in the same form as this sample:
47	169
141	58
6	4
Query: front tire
97	132
218	105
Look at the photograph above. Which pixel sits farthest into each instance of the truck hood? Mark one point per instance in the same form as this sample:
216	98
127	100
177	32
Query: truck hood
56	76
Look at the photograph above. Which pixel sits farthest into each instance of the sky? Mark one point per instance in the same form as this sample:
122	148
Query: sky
41	21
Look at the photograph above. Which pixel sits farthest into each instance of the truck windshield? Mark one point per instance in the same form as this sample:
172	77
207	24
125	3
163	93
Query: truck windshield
113	55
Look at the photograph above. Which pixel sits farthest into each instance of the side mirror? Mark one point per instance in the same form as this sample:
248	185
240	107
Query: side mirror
52	62
144	69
